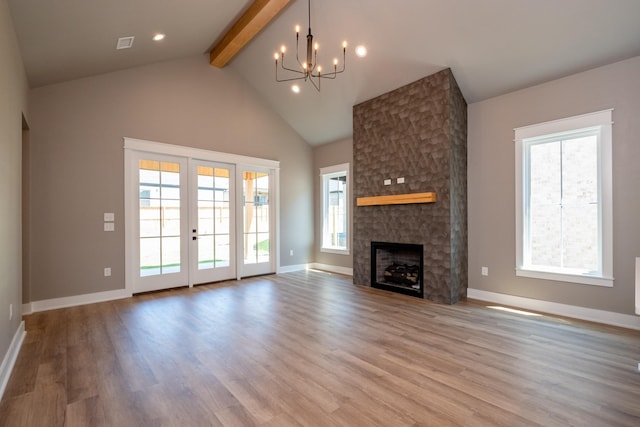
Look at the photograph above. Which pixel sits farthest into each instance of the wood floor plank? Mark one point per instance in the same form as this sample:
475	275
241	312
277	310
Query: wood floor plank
18	411
312	349
85	412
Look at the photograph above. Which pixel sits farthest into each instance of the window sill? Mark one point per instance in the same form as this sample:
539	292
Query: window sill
335	251
563	277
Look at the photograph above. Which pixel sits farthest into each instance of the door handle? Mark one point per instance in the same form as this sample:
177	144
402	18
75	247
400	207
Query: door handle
195	238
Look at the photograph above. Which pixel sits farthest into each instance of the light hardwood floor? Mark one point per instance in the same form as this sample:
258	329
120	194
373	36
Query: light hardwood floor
312	349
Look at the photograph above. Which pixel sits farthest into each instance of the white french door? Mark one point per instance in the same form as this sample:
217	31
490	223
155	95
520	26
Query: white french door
190	221
212	222
256	236
161	249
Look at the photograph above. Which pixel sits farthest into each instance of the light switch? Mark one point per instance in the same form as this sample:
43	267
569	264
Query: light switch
109	226
109	217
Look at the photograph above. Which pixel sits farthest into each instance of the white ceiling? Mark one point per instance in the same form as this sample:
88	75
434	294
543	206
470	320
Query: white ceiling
492	46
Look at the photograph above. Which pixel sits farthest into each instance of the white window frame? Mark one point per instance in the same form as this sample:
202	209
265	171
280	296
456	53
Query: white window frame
603	121
327	173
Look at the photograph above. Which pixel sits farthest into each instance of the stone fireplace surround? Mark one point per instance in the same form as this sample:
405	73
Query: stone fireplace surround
417	132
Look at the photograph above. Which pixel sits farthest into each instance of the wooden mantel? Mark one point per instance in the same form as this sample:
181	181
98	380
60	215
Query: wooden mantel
397	199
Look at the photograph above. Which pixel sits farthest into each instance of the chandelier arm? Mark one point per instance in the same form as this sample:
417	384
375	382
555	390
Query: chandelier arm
314	84
289	80
328	76
333	74
303	77
293	70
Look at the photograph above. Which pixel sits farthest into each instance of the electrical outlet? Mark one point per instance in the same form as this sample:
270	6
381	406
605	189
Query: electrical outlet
387	182
485	271
109	226
400	180
107	271
109	217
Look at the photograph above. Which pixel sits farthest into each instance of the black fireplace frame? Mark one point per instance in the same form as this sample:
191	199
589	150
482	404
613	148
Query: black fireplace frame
387	246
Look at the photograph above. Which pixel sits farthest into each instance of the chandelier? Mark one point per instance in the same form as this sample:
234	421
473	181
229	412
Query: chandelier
309	70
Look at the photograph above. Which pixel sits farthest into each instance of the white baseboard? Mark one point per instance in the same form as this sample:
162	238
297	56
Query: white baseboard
52	304
583	313
332	268
324	267
292	268
10	358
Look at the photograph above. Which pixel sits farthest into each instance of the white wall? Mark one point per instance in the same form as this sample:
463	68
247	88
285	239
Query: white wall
491	174
77	160
332	154
13	104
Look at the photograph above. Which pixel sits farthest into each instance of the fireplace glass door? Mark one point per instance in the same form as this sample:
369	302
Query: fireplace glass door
397	267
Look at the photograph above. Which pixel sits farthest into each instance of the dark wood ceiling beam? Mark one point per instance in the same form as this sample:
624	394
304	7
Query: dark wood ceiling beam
252	21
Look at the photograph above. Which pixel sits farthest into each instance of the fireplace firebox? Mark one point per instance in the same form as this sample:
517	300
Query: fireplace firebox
398	267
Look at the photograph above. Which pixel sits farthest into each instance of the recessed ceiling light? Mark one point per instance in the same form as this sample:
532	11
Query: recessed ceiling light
361	51
295	89
125	42
158	37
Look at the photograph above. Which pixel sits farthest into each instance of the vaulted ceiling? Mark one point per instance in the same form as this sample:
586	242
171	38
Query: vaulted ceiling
492	46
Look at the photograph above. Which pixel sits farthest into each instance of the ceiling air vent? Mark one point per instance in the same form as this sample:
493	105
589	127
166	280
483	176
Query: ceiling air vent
125	42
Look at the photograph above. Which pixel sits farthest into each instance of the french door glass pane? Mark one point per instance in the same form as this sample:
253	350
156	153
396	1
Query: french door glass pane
149	217
159	213
170	216
213	217
170	255
223	250
149	256
205	218
205	252
256	217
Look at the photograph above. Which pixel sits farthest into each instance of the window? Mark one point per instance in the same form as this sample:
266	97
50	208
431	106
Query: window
563	200
335	208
